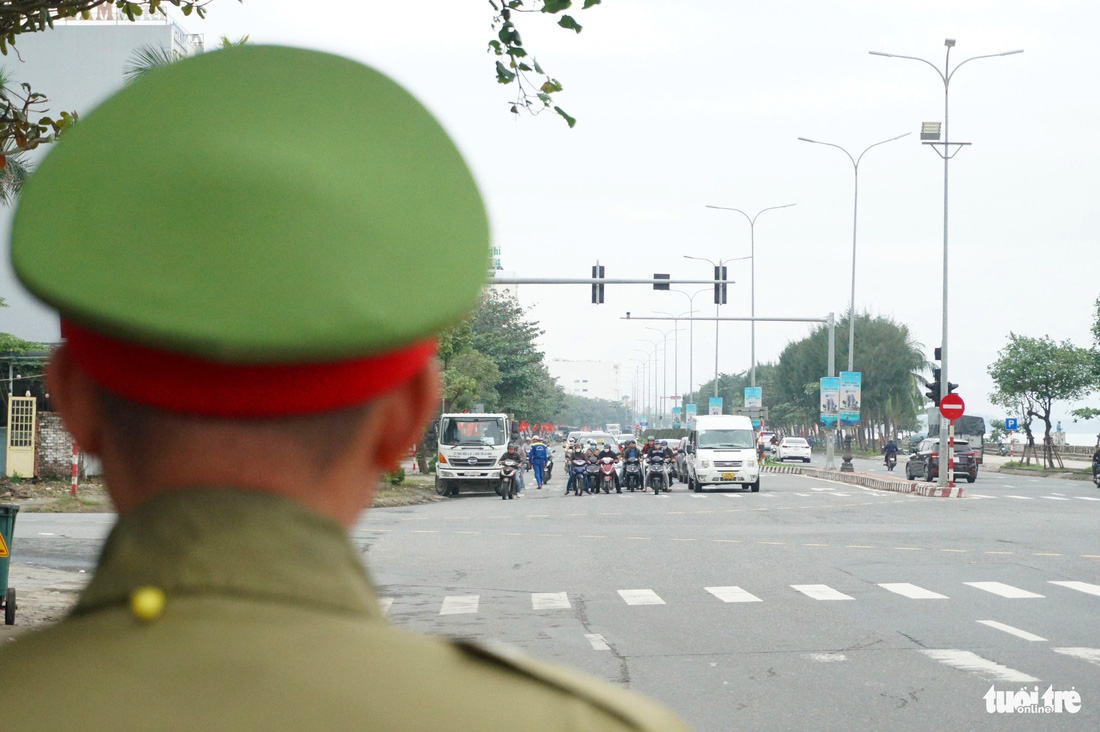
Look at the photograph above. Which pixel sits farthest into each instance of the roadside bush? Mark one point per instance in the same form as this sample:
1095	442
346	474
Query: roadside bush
397	477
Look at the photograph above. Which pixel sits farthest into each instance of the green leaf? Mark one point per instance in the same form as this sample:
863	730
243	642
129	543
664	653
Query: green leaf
515	109
568	120
545	98
555	6
590	3
504	76
517	52
568	22
495	46
538	70
550	86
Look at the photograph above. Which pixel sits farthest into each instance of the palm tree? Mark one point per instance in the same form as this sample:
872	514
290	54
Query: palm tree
150	57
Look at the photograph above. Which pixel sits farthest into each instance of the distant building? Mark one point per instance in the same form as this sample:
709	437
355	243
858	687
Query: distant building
77	65
593	379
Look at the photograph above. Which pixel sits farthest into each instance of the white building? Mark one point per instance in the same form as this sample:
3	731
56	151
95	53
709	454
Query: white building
593	379
77	65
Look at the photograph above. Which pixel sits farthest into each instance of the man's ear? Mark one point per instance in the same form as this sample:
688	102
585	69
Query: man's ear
76	398
401	417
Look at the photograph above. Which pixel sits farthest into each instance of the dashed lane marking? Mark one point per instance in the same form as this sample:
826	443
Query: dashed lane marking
913	592
1079	586
1046	554
459	604
590	536
424	531
821	592
597	641
1000	588
975	664
1087	498
1012	631
908	548
815	545
1092	655
858	546
732	594
640	597
726	541
776	543
550	601
1009	553
953	551
1020	498
1056	498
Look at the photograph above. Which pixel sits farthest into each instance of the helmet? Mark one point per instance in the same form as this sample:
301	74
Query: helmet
512	446
664	443
630	442
591	443
572	440
649	439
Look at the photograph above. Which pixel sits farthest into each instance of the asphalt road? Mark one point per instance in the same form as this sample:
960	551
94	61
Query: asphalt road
809	605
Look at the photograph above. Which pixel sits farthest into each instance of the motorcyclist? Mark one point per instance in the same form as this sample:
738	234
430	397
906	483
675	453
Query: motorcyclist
538	456
513	453
607	451
630	450
576	453
1096	462
650	446
890	449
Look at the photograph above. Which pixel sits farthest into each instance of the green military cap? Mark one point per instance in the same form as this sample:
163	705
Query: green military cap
254	206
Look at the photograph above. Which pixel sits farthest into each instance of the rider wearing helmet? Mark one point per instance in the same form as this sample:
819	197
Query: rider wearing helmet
513	453
666	450
575	451
610	452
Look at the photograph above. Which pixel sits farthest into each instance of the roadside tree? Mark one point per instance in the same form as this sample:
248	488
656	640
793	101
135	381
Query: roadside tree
1037	372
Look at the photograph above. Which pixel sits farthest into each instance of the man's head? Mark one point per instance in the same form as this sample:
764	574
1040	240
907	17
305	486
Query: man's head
649	440
225	336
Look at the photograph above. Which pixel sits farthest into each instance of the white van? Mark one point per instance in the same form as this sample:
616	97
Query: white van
722	451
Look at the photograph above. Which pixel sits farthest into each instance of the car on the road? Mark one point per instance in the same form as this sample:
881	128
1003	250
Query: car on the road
680	454
601	438
625	438
925	462
722	452
793	448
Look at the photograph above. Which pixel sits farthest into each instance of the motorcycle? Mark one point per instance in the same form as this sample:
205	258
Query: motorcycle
656	475
607	475
593	473
548	470
506	488
632	474
1002	449
891	460
1096	474
578	476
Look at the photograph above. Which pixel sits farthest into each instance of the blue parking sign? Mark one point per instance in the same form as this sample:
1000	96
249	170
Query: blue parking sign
1011	424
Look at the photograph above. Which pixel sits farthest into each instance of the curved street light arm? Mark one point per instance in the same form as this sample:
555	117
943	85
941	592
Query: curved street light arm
829	144
975	58
913	58
879	143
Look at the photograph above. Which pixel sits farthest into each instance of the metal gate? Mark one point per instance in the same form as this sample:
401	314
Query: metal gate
21	434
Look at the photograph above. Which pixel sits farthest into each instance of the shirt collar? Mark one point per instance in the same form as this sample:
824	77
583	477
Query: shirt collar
230	542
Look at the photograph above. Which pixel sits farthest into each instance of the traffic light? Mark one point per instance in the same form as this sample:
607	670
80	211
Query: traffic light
660	285
597	289
719	287
933	392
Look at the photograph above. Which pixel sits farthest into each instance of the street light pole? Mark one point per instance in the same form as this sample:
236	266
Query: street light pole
664	376
719	263
945	76
752	256
855	219
676	348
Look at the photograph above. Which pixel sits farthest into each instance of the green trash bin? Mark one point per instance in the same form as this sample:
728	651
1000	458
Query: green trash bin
7	534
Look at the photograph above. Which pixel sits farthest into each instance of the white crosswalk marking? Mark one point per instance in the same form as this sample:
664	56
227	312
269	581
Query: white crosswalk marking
1092	655
1012	631
975	664
822	489
549	601
1087	498
803	495
1079	586
841	495
732	594
733	495
597	641
975	495
912	591
821	592
385	603
459	604
999	588
640	597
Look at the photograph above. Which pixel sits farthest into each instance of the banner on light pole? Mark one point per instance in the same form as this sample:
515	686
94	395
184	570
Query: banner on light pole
851	395
754	397
830	400
715	405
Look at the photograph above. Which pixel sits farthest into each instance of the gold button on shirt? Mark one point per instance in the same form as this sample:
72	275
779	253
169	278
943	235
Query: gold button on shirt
238	610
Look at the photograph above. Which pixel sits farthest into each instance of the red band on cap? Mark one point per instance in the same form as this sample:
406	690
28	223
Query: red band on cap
180	383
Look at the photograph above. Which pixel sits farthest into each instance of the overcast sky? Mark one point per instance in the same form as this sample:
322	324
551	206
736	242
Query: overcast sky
687	103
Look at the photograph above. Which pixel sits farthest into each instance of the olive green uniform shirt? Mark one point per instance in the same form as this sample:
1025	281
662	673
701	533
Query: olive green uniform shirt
271	624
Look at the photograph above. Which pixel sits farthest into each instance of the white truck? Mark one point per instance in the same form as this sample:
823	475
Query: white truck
469	447
722	453
614	428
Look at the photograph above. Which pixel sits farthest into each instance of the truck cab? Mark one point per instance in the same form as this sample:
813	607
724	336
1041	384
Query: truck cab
469	447
722	452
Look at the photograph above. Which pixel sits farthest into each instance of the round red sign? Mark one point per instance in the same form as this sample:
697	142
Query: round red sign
952	407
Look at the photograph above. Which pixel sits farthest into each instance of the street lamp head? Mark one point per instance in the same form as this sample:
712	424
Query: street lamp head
950	42
1009	53
930	130
806	139
880	53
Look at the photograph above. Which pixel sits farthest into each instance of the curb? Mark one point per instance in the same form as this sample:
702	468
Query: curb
892	485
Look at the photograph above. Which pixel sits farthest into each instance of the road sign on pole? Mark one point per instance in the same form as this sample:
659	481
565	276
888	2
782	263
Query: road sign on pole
952	407
1011	424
